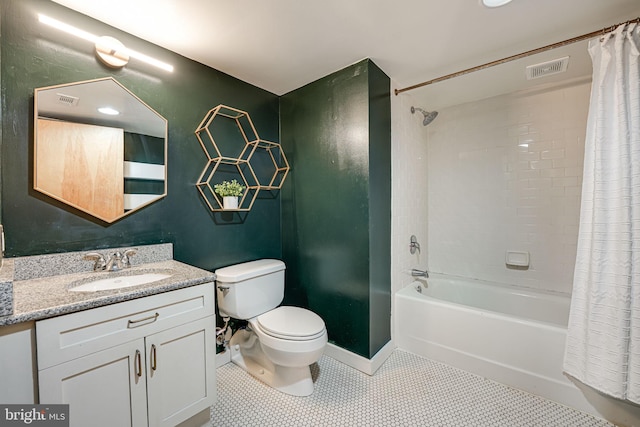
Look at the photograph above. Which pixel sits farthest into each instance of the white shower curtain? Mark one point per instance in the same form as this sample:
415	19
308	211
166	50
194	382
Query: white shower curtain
603	341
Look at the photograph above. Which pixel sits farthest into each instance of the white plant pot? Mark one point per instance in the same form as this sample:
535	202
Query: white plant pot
230	202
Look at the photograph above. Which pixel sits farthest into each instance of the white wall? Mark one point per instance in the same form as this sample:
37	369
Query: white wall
408	189
504	173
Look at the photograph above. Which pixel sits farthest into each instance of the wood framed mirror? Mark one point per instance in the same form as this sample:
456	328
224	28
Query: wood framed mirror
99	148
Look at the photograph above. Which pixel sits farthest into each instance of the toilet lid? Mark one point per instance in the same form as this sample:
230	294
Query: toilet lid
291	323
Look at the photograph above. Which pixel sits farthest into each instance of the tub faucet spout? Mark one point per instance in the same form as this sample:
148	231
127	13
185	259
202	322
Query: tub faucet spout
419	273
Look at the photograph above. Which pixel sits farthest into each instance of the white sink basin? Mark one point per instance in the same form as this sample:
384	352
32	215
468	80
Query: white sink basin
119	282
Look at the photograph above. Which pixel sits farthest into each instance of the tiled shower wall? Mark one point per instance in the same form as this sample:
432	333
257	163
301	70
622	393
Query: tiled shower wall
408	189
505	173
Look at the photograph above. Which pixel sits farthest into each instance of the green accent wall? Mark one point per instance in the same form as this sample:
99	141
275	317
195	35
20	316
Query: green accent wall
330	223
34	55
336	204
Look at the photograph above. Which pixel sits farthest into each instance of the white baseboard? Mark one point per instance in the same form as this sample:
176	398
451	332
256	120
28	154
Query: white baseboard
223	358
362	364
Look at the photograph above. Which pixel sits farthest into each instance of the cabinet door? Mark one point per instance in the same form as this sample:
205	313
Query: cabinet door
180	372
107	388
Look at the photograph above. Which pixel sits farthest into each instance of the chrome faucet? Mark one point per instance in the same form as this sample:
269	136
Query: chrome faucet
100	262
126	257
419	273
115	262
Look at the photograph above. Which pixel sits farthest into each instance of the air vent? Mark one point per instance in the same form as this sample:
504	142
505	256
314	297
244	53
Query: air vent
547	68
69	100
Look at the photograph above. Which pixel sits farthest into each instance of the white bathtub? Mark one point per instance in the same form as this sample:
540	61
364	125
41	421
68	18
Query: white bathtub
510	335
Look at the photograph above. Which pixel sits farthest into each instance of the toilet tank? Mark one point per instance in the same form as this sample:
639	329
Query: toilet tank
249	289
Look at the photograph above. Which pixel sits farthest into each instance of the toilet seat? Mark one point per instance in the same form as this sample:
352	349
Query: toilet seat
291	323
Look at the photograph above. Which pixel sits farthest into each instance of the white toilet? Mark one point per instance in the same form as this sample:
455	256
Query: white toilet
279	343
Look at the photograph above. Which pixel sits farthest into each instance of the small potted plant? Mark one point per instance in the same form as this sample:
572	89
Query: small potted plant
229	191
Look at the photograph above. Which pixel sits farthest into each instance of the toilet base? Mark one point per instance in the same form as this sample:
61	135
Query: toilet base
247	353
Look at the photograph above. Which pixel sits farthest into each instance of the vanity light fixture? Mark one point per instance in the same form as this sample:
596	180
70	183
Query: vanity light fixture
108	49
111	52
495	3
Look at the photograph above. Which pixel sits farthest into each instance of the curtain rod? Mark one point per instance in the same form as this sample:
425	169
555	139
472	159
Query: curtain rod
518	56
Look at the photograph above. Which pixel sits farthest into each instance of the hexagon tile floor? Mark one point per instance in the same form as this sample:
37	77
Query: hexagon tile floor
406	391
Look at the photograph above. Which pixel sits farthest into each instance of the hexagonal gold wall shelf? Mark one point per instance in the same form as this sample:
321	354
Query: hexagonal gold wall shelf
235	151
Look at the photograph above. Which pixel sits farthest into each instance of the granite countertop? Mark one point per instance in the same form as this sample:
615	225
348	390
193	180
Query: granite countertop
43	297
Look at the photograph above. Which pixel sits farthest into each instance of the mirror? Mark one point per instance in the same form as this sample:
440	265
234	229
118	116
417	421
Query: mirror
99	148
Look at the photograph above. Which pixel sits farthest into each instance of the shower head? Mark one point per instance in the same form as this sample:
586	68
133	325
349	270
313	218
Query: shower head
429	116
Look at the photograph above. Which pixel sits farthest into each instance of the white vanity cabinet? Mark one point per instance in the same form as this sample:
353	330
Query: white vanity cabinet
102	388
145	362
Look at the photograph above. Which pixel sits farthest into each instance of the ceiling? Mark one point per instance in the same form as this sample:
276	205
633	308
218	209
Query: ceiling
281	45
55	102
